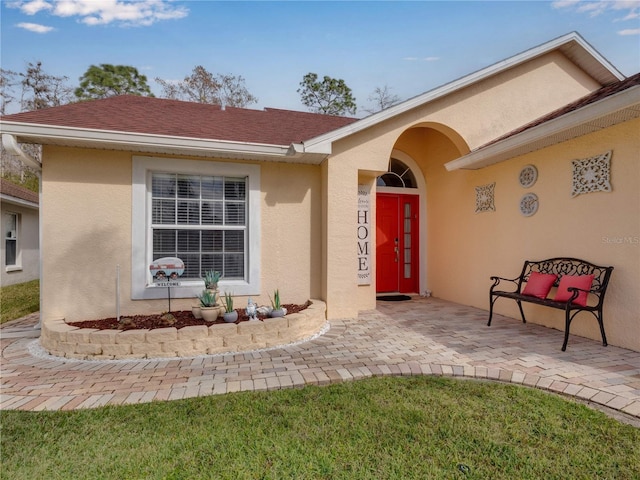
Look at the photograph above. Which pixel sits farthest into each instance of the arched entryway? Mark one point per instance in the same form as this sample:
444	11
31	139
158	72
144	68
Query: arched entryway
400	193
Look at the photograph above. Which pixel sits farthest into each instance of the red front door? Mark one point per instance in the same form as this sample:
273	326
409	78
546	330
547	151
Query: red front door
397	243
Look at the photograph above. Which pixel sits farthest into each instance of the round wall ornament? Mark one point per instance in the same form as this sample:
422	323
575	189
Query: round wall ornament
529	204
528	176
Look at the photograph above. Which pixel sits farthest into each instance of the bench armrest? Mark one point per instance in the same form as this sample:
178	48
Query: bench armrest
497	280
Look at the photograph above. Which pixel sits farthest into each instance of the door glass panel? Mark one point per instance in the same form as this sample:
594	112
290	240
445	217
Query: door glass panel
407	241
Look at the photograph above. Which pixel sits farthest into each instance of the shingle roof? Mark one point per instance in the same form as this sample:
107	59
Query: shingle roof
600	94
13	190
148	115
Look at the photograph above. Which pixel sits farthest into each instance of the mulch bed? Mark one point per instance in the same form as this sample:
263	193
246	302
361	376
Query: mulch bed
183	318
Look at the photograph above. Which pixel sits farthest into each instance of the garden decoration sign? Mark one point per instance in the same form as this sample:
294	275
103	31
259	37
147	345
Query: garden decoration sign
165	272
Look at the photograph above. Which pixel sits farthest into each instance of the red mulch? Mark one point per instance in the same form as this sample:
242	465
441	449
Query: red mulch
182	318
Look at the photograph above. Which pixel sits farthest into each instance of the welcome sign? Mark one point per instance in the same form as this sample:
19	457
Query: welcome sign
364	235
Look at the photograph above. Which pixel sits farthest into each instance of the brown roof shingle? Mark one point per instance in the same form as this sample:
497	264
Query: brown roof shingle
148	115
12	190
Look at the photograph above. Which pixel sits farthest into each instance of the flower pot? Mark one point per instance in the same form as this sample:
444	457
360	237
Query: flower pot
230	317
210	314
195	310
280	312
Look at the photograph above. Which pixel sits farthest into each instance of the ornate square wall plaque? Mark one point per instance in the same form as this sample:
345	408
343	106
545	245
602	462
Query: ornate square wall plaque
484	198
591	174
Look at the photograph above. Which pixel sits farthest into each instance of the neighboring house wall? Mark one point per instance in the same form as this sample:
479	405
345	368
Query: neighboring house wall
27	259
87	232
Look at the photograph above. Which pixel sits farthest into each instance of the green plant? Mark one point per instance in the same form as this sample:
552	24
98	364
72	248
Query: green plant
211	278
19	300
275	301
208	298
228	302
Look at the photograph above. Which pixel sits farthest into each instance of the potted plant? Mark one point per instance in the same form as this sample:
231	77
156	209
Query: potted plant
230	315
277	309
209	305
211	279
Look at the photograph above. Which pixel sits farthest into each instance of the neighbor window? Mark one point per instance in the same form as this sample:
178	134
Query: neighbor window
10	239
205	213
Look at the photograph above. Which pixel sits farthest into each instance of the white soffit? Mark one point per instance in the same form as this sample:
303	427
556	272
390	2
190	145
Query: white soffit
618	108
571	45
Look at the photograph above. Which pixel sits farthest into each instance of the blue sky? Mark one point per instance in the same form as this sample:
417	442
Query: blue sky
411	47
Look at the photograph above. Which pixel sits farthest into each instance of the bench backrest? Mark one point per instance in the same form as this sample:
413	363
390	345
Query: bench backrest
568	266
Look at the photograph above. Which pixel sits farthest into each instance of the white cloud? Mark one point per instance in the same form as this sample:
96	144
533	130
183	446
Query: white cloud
423	59
103	12
629	8
35	27
30	7
629	31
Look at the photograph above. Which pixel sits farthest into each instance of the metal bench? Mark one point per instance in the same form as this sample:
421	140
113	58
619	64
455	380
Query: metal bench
561	267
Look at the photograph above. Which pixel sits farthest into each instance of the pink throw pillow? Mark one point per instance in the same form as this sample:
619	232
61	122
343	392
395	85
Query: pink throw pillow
539	284
579	281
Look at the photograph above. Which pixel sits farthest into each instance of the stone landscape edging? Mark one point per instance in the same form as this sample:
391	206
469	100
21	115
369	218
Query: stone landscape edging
60	339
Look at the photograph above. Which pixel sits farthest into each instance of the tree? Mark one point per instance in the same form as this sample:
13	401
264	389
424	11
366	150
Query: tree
329	96
203	86
381	99
110	80
36	89
7	82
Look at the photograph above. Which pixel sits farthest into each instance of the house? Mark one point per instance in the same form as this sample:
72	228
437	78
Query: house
20	239
437	193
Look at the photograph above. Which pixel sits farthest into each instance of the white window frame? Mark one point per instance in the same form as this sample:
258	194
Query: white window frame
18	263
141	232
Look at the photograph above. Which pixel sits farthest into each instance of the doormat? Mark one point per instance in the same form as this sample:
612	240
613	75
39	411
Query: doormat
393	298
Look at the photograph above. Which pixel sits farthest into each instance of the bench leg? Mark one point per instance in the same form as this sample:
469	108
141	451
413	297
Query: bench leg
491	302
601	323
567	322
524	320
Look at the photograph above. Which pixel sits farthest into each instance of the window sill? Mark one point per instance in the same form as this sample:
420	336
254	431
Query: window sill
13	268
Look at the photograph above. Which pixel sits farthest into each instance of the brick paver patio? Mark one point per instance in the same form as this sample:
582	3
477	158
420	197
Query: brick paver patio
422	336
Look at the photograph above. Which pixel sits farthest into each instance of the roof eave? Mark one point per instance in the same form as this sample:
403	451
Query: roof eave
138	142
18	201
572	45
609	111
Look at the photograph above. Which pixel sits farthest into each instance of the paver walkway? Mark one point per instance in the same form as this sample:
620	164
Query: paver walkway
422	336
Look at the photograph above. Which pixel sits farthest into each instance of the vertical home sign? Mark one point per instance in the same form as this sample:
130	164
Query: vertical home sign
364	235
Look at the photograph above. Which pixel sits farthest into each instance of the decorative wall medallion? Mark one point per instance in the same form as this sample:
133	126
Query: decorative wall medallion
529	204
592	174
484	198
528	176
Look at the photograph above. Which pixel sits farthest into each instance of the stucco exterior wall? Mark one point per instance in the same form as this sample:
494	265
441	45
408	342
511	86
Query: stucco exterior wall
469	117
28	267
87	202
465	248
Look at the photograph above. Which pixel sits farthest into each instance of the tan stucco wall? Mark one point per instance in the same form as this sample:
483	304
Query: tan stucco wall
465	248
28	239
470	117
87	232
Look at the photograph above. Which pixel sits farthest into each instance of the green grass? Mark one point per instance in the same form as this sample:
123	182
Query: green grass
19	300
379	428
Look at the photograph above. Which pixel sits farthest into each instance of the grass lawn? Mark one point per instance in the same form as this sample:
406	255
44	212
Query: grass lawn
379	428
19	300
